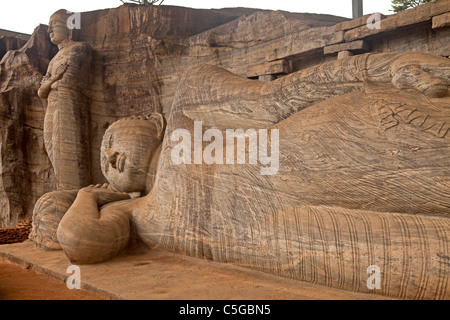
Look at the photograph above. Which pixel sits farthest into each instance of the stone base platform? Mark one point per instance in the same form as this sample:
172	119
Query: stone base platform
160	275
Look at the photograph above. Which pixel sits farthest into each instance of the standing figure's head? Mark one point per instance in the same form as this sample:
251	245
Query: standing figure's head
57	27
130	150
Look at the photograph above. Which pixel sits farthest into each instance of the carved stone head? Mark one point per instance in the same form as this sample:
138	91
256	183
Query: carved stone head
57	27
129	145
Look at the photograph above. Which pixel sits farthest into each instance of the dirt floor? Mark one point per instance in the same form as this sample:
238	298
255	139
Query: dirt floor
17	283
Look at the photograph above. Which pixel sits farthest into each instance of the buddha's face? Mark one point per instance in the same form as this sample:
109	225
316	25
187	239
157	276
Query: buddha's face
57	30
126	154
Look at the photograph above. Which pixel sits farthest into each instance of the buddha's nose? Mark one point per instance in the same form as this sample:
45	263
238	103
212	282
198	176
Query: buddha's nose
112	158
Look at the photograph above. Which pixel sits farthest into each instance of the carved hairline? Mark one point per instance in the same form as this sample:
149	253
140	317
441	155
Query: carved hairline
62	14
156	118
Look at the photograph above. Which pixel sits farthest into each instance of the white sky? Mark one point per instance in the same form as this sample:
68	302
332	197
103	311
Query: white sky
25	15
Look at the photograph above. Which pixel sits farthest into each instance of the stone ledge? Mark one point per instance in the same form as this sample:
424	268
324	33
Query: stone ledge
270	68
295	45
412	16
352	24
357	46
158	275
441	21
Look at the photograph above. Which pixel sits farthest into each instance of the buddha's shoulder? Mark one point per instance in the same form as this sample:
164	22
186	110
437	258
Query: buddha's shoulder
78	46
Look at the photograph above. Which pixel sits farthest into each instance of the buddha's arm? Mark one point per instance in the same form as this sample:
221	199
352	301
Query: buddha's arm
78	68
50	78
45	87
72	73
89	235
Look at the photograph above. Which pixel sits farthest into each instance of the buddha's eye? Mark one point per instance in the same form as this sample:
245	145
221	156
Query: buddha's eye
112	158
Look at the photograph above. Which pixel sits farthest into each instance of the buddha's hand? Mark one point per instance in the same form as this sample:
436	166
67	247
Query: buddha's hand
45	86
45	79
426	73
104	193
60	70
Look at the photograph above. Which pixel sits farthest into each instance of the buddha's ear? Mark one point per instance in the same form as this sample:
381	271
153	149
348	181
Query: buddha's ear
160	122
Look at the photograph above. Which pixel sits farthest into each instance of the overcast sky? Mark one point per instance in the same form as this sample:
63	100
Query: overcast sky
25	15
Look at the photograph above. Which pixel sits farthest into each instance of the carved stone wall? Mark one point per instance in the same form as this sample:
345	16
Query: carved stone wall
25	171
140	54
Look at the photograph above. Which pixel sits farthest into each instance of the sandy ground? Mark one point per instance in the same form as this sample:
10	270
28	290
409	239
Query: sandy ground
31	273
17	283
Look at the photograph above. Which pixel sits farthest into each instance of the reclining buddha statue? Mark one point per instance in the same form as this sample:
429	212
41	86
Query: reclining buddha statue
362	177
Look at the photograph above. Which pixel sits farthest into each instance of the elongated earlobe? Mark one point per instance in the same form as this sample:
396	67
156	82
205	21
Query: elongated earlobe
160	122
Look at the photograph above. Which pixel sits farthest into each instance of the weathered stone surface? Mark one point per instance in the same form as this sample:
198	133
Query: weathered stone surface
344	54
413	39
358	46
10	43
296	46
415	15
267	77
47	214
354	23
269	68
26	172
441	21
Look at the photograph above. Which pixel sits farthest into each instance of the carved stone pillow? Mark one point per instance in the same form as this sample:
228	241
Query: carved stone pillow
47	214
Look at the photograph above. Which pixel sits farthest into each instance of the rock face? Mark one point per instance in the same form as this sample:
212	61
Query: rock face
10	43
26	172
